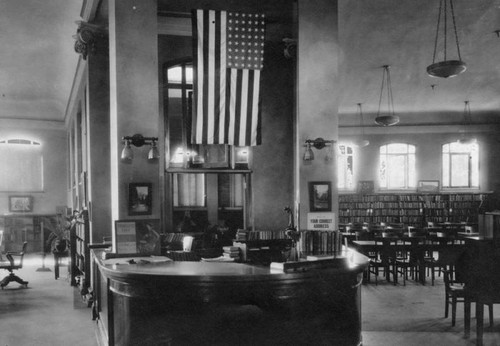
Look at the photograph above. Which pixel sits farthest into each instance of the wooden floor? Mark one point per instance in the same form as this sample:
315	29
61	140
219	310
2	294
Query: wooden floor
50	312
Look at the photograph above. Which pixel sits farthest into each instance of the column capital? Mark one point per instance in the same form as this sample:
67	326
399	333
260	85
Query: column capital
86	36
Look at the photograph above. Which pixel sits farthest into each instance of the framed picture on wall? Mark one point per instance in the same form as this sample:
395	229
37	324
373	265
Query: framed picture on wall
320	196
20	203
428	186
139	198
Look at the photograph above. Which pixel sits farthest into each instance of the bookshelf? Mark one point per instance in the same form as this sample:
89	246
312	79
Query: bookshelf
413	209
80	253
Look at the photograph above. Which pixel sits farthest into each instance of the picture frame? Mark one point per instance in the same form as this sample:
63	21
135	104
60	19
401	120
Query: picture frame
366	187
21	204
140	198
320	196
139	236
428	186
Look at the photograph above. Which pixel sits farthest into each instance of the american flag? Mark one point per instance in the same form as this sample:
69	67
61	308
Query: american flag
229	49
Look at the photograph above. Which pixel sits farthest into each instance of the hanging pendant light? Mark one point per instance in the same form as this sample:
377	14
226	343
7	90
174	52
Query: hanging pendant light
446	68
362	142
391	118
466	138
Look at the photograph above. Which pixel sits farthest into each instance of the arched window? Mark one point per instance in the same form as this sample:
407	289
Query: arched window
460	165
22	165
345	167
397	166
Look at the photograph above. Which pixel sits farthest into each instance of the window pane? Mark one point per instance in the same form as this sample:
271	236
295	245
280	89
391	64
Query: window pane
383	171
345	172
396	172
474	165
397	148
446	169
189	190
412	179
22	167
460	170
175	75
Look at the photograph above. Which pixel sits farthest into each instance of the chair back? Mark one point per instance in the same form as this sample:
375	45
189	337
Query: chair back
467	229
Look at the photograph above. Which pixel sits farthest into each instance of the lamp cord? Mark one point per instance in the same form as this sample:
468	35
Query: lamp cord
390	99
445	29
455	28
361	121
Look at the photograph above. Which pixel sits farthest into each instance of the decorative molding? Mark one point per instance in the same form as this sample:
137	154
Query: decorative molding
86	37
89	9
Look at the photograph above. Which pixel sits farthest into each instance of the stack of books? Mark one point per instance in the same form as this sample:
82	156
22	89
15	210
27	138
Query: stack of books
231	252
241	235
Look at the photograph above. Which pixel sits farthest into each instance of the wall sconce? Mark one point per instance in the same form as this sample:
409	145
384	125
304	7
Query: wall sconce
318	143
138	141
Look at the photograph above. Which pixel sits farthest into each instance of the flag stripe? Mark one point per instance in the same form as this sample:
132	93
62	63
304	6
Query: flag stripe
212	29
237	106
196	50
249	108
204	74
222	81
219	27
256	140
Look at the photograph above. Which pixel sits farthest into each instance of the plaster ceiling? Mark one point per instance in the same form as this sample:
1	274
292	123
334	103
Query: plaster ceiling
37	59
38	62
401	33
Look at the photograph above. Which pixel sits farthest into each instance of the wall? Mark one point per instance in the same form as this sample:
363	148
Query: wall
428	155
317	94
54	148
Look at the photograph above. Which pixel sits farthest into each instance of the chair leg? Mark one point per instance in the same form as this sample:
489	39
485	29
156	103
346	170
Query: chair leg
12	277
490	308
453	310
446	305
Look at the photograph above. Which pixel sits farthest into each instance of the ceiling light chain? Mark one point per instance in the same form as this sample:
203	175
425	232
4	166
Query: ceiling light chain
391	118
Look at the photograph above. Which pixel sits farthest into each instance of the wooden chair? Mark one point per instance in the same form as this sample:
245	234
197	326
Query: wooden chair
405	261
15	261
447	257
455	293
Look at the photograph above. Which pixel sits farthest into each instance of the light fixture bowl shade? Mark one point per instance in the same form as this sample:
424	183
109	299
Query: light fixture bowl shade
446	69
153	153
308	154
127	154
387	120
362	143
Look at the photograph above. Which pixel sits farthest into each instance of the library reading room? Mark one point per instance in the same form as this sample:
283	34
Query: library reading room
219	172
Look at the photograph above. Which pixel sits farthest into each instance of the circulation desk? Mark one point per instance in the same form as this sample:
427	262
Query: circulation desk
207	303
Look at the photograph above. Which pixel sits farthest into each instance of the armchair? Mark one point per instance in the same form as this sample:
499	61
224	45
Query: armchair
15	261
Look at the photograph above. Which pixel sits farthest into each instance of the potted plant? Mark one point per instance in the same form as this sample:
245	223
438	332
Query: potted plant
59	238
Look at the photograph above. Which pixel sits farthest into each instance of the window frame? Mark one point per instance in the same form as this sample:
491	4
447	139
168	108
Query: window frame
411	150
345	165
448	183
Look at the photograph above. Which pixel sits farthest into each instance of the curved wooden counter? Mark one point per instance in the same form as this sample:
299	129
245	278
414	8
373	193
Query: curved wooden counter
208	303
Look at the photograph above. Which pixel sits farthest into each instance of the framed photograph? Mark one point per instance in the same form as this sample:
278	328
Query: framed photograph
139	198
20	203
320	196
366	187
137	237
428	186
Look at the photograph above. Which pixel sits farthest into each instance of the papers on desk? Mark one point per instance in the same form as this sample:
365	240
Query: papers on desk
136	260
218	259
